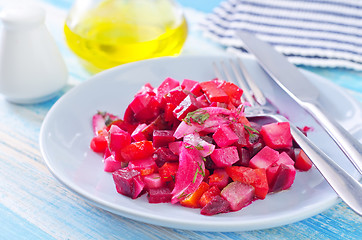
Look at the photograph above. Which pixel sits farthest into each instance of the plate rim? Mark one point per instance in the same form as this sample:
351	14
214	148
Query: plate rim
161	221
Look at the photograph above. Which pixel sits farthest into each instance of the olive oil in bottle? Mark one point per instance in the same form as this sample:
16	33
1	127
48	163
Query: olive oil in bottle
108	33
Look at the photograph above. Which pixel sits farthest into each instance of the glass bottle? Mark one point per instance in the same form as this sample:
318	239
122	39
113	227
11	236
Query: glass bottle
107	33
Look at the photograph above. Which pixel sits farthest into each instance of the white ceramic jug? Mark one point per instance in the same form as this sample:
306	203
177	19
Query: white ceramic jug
31	67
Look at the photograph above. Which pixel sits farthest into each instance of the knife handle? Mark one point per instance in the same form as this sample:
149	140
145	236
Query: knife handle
346	142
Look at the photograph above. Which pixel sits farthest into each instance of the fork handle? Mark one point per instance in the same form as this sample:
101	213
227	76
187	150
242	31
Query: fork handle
348	188
346	142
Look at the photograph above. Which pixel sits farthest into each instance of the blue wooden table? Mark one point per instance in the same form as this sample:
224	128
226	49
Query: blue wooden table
34	205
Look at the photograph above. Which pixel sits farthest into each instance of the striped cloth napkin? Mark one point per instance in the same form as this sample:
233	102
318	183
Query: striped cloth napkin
324	33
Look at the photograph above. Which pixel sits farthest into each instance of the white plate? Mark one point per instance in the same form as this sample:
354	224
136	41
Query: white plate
67	130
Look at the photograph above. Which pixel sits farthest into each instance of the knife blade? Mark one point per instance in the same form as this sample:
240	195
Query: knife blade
297	86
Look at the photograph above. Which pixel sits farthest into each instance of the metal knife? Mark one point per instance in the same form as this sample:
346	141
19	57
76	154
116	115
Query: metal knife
292	81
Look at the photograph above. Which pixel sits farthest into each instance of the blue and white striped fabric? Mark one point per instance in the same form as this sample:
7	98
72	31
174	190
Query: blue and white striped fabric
324	33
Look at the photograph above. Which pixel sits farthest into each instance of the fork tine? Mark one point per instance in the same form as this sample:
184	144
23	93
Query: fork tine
216	70
242	84
259	96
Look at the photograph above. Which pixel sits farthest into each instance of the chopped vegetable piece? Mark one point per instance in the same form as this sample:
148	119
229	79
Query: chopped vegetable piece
192	201
264	158
221	161
216	205
219	178
238	195
255	177
99	144
224	157
209	195
302	162
224	136
284	178
190	174
277	135
159	195
137	150
168	172
128	182
213	92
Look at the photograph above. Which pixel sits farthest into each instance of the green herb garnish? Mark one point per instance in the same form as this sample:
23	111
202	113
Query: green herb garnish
251	131
198	172
183	194
199	116
199	147
189	146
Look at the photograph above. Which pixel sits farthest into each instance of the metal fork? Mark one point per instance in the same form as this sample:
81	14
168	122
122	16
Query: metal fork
347	188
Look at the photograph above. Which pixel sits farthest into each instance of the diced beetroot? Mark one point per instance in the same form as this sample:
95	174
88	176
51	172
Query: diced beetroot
238	195
107	153
129	116
137	150
239	130
285	158
162	138
202	101
255	177
145	107
209	164
167	85
265	158
272	170
209	195
118	138
137	134
99	144
163	155
289	151
302	161
213	93
190	174
217	205
188	104
144	166
111	165
153	180
233	91
244	155
188	84
224	157
168	171
256	147
224	136
126	126
147	88
196	90
277	135
284	178
168	112
219	178
128	182
174	96
158	124
271	173
159	195
175	147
